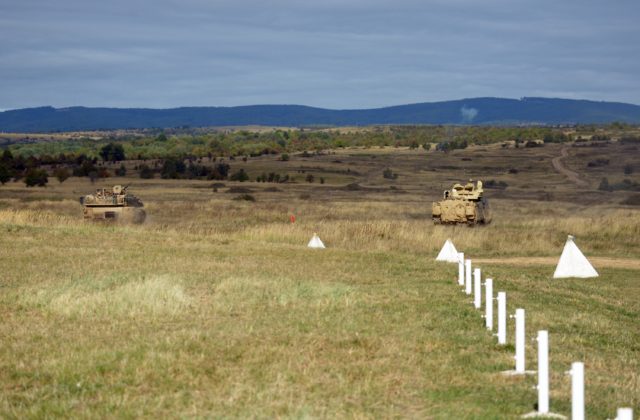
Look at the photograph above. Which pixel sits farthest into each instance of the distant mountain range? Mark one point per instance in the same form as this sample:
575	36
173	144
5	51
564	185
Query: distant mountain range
480	111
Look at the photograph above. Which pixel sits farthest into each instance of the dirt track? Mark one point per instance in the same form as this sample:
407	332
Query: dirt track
596	261
559	166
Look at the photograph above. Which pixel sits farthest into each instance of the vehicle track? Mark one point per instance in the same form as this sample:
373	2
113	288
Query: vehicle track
558	165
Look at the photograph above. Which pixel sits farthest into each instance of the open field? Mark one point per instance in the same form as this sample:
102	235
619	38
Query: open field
216	308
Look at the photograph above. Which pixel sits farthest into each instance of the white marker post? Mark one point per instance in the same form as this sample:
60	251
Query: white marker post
488	315
625	414
543	372
520	359
477	297
543	380
467	280
520	348
461	268
577	390
502	318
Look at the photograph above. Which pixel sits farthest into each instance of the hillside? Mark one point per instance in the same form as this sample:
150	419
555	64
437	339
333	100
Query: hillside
466	111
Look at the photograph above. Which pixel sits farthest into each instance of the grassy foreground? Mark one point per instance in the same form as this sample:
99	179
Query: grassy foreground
216	308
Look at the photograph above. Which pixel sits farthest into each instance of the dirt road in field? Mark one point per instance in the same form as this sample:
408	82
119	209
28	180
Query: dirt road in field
559	166
597	262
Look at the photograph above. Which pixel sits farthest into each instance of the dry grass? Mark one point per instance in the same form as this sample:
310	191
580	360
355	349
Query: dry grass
79	298
216	308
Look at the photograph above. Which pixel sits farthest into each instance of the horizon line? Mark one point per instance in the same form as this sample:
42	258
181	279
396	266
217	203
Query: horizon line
523	98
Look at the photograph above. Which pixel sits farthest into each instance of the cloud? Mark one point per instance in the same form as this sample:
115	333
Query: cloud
357	54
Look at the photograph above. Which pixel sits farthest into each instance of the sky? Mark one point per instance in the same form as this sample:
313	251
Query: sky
327	53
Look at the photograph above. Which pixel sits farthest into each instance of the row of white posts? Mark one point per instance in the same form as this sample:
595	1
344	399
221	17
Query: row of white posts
577	368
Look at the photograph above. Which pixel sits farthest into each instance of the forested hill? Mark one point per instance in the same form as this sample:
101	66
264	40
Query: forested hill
466	111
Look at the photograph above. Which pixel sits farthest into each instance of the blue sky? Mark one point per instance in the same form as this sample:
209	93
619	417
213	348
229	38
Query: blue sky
335	54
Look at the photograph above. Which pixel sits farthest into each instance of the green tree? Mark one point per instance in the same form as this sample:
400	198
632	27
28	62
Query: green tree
7	156
37	177
173	169
5	173
112	152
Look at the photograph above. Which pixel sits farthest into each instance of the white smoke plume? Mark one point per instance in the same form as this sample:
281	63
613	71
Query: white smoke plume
468	114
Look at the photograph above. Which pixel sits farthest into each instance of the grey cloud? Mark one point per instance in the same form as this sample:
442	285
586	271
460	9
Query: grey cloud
338	54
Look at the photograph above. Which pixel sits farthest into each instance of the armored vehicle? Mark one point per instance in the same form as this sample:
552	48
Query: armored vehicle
462	204
113	204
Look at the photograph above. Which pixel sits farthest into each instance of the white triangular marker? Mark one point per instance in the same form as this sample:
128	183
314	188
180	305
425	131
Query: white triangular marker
448	253
315	242
573	263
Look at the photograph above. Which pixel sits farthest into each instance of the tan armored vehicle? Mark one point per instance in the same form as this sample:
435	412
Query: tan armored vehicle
113	204
462	204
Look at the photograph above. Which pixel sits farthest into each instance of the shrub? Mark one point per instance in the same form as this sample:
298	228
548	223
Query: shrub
629	140
240	176
121	171
310	178
220	171
604	185
533	144
446	146
61	173
388	174
172	169
633	200
598	163
85	168
245	197
37	177
499	185
628	169
426	146
555	138
284	157
239	190
146	172
625	185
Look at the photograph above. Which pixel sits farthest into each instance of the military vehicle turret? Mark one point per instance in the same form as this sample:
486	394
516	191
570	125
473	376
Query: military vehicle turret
462	204
113	204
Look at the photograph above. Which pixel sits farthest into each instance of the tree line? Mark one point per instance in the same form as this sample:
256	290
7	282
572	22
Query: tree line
251	144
